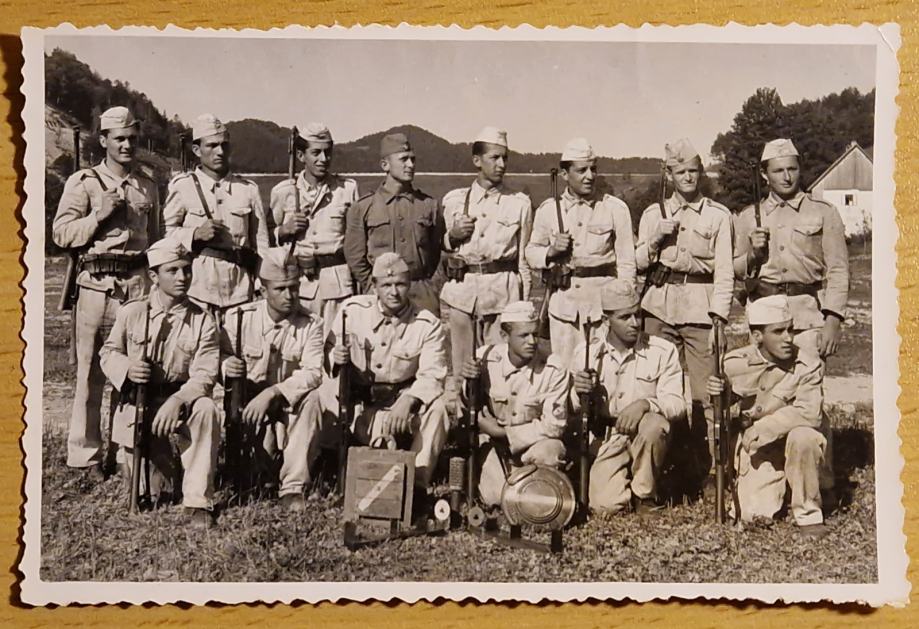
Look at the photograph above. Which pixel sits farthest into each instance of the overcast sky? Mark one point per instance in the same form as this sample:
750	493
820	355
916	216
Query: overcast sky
628	99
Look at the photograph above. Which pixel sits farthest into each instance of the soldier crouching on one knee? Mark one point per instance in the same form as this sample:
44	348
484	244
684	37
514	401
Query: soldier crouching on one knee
279	352
779	390
396	354
525	401
640	394
182	359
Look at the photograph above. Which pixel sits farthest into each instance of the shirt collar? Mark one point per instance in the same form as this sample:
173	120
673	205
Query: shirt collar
157	308
773	201
572	199
388	195
326	183
269	324
756	358
508	368
103	168
379	318
209	183
677	204
477	192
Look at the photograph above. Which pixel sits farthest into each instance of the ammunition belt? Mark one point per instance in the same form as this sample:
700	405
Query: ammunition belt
380	393
497	266
791	289
241	256
604	270
112	263
678	277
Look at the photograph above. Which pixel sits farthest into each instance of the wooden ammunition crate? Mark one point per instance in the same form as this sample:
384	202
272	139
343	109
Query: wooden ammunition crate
378	486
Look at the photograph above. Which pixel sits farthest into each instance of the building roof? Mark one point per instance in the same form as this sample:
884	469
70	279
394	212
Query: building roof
851	170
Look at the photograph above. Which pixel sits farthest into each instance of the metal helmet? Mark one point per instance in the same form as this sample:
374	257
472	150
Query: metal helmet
541	496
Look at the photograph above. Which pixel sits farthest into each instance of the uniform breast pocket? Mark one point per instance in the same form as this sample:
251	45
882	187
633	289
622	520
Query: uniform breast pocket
806	238
238	221
405	363
252	356
181	358
194	216
499	400
423	229
599	238
701	239
379	232
645	384
507	227
532	411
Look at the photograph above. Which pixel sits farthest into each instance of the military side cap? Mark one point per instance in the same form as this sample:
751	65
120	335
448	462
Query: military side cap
578	150
779	148
679	152
394	143
492	135
278	266
116	118
618	294
166	250
389	264
519	312
205	125
317	133
769	310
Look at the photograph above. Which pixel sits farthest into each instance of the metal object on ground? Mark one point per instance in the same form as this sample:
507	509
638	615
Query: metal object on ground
541	496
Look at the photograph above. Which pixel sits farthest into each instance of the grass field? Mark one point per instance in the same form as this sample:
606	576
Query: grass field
88	535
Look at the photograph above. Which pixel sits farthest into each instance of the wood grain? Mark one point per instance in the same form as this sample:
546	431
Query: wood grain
15	14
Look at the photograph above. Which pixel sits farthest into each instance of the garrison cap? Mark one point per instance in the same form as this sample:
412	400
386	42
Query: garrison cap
278	266
116	118
166	250
779	148
394	143
518	312
492	135
389	264
317	133
578	150
205	125
618	294
769	310
679	152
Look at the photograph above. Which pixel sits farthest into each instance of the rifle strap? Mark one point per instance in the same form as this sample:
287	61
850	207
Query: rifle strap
466	202
99	179
204	205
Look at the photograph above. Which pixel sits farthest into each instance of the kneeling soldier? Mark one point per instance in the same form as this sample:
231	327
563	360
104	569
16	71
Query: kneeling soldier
779	387
182	358
640	394
525	401
279	352
396	354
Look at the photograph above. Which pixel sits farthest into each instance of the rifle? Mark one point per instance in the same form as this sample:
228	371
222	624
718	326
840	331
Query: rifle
558	275
472	419
183	151
345	409
69	290
141	436
724	460
587	415
292	174
236	432
657	272
751	282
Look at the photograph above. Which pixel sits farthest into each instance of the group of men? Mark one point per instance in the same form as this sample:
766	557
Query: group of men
214	286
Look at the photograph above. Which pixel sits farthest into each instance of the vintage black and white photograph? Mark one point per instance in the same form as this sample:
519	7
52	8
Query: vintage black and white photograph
419	312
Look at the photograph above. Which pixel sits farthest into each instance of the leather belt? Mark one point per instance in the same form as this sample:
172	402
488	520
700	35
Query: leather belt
604	270
678	277
112	263
791	289
325	260
241	256
498	266
381	393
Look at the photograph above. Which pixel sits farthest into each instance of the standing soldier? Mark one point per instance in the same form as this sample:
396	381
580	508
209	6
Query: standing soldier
779	388
279	352
109	213
796	247
397	218
488	227
182	358
640	394
218	216
591	233
397	359
311	210
525	412
686	251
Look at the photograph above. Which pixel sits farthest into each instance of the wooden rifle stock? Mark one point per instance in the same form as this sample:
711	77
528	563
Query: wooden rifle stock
752	280
344	407
722	432
68	296
553	276
472	419
141	438
587	414
292	174
242	464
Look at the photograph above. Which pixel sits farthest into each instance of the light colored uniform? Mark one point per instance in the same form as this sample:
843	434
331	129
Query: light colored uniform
409	223
236	203
531	403
601	231
625	467
326	206
785	444
399	355
126	231
182	347
807	246
504	220
287	355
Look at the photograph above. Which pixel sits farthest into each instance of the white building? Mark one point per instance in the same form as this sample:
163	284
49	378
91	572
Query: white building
848	184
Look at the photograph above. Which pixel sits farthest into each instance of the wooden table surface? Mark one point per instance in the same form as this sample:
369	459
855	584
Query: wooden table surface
17	13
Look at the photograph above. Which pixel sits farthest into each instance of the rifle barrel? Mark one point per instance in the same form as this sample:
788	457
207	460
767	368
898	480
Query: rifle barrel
140	409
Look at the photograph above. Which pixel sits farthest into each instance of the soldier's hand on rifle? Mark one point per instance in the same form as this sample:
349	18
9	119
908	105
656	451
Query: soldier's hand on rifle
585	381
715	386
340	355
256	411
111	203
208	230
471	369
560	245
665	227
139	372
759	241
169	417
630	417
490	426
295	223
462	229
234	367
